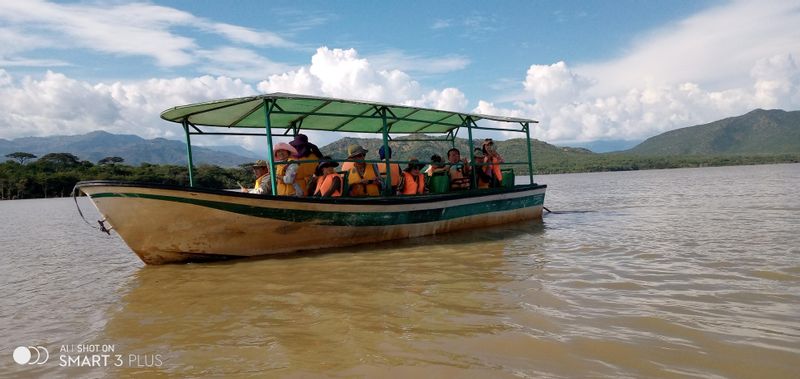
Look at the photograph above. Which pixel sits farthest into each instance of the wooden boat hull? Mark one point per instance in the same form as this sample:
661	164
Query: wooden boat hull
165	224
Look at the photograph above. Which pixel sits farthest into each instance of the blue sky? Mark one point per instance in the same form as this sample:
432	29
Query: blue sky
588	70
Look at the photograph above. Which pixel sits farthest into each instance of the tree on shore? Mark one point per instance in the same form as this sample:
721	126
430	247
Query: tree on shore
59	161
21	156
110	160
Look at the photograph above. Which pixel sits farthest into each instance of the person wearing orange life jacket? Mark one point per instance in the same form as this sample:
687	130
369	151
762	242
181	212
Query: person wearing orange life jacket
329	183
394	167
286	171
305	151
459	170
413	181
482	177
364	179
494	160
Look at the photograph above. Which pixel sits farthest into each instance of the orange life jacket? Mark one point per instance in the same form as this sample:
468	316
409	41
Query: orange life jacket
325	183
359	189
494	168
413	185
395	172
457	178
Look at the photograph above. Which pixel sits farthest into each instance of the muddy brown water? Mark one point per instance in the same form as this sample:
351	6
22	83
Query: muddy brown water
664	273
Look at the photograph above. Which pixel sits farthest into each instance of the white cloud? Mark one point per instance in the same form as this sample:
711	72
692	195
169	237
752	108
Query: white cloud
56	104
450	99
777	82
442	24
239	63
134	29
714	48
342	73
28	62
253	37
52	105
554	83
398	60
722	62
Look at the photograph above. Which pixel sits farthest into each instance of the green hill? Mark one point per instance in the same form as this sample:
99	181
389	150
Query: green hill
758	132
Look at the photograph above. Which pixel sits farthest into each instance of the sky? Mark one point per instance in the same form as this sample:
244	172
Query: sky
587	70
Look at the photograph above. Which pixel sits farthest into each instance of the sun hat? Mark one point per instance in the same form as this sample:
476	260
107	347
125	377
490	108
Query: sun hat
325	162
303	146
354	150
284	146
260	163
414	163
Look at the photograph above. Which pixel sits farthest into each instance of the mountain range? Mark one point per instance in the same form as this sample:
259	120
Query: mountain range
134	149
757	132
760	132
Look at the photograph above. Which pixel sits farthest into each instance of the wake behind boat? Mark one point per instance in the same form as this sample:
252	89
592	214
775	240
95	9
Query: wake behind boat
169	224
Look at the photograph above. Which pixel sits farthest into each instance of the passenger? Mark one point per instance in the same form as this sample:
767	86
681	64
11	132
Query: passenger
312	182
413	182
482	178
459	170
305	151
263	185
329	183
363	179
394	167
494	160
436	166
286	173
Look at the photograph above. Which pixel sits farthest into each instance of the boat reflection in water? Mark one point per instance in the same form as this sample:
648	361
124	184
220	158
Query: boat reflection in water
411	303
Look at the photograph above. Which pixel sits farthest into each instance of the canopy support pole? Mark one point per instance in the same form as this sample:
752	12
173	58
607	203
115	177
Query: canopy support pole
473	177
387	187
527	127
270	154
188	151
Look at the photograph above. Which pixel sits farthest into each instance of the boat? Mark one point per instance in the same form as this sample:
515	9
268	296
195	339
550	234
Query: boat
176	224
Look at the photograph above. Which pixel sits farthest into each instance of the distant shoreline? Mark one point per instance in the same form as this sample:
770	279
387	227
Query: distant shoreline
19	182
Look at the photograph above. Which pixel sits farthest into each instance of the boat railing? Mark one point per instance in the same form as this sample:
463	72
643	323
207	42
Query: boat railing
394	161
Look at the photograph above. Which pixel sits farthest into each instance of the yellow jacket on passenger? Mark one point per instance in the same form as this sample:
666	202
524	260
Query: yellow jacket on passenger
359	189
306	170
286	189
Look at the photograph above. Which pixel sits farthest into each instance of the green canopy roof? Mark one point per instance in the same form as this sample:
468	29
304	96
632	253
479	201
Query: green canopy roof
321	113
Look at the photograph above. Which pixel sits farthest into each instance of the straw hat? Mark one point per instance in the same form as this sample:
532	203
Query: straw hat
285	146
260	163
354	150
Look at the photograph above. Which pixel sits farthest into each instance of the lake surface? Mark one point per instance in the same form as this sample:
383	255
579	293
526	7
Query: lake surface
665	273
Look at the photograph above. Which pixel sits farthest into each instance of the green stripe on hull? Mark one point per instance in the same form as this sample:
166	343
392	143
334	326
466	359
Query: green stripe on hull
352	218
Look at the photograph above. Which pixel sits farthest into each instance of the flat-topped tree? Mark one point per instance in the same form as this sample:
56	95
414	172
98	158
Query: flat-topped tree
21	156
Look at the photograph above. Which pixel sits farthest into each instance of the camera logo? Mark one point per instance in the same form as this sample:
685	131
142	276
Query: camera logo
23	355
